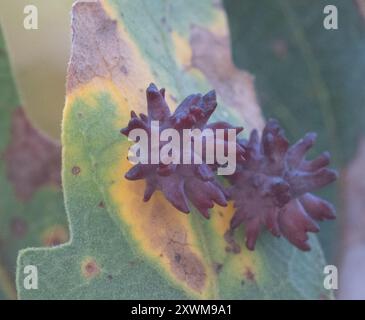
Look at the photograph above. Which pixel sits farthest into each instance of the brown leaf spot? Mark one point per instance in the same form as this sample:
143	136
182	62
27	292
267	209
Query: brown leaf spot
54	236
32	160
184	263
249	275
89	268
76	171
101	204
211	54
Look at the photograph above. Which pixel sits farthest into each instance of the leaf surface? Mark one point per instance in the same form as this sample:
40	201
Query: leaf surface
121	247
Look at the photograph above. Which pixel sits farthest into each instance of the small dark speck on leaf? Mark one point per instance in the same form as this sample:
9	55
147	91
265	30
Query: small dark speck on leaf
218	267
124	70
249	275
177	258
110	277
134	262
76	171
102	204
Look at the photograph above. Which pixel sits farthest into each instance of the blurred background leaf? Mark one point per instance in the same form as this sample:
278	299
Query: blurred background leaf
307	77
31	203
39	58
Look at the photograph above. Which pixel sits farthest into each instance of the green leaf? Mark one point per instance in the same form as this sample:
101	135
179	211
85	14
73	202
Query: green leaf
307	77
122	247
31	203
